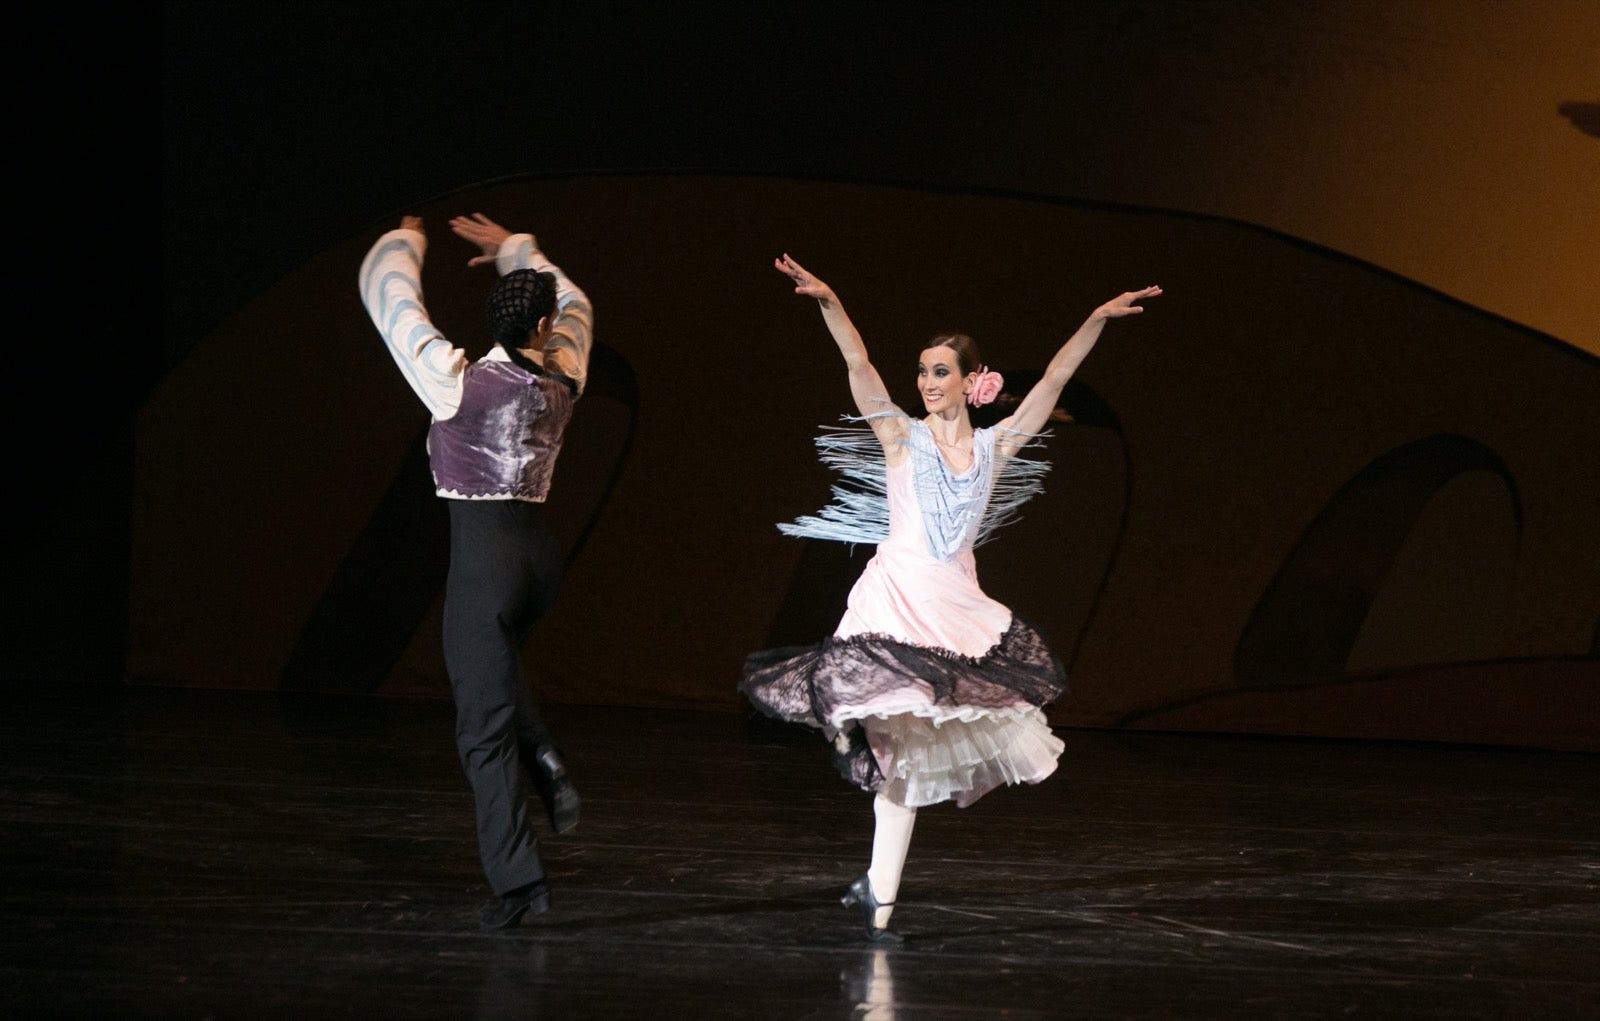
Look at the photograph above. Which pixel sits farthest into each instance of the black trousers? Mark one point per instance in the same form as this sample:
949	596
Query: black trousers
505	568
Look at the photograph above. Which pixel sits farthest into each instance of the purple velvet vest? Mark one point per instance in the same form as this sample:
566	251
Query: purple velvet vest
503	440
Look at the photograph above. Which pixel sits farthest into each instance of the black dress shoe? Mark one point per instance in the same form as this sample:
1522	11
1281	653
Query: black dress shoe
555	789
535	898
860	895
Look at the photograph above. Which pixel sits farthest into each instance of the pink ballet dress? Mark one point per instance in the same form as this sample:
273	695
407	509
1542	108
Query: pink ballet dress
930	690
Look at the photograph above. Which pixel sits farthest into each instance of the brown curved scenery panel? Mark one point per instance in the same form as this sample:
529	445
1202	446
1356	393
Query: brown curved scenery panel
1207	434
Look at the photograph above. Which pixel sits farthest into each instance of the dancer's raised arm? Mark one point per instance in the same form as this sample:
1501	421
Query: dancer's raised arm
569	334
1034	409
866	386
391	289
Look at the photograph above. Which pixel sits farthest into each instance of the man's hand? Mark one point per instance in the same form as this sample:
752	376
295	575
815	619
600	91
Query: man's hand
483	232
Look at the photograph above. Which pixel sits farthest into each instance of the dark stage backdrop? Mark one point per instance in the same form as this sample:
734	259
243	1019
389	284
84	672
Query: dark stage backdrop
1299	495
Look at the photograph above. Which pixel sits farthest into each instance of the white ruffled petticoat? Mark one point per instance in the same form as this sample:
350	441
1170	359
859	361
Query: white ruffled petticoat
926	759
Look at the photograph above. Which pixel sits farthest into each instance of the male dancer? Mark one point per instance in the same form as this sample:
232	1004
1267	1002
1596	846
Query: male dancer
497	429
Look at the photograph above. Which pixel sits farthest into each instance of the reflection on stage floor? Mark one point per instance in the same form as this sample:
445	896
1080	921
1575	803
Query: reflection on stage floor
184	853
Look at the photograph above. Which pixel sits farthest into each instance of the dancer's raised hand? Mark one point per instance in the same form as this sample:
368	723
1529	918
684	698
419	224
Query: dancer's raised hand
481	231
1126	304
804	281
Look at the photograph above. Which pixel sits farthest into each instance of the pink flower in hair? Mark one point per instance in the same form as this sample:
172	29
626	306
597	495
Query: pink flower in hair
985	388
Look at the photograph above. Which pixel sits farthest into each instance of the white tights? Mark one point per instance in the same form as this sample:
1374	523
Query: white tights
891	839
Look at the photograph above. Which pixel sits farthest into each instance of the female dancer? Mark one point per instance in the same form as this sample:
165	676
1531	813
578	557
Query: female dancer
498	425
930	690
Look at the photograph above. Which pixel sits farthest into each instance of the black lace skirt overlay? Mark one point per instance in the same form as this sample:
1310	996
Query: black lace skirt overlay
815	684
839	679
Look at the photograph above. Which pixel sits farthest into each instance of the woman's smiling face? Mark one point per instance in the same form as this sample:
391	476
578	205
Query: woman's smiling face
939	380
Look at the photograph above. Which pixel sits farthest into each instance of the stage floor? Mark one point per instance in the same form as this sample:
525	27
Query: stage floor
193	854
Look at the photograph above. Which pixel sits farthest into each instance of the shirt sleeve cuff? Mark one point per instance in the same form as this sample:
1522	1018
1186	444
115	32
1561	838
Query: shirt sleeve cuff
519	251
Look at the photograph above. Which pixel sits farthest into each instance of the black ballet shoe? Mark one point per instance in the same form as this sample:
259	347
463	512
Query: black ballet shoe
533	898
860	895
555	789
